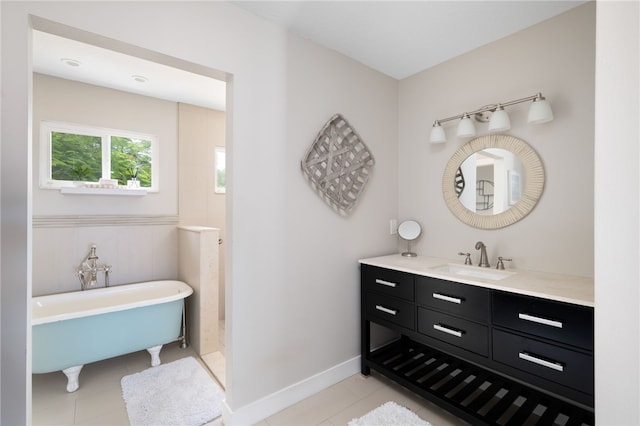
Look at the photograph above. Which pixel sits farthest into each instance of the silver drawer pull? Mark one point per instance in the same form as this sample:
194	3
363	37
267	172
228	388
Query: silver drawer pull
539	320
447	298
543	362
387	283
447	330
386	310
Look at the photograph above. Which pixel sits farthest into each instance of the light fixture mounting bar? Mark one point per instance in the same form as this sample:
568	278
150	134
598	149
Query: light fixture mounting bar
491	108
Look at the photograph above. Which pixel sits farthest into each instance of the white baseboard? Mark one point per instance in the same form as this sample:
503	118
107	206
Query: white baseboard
261	409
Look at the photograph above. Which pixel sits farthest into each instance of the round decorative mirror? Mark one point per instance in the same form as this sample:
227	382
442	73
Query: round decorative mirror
409	230
502	180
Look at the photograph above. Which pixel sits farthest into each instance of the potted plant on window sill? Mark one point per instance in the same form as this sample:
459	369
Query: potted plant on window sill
133	173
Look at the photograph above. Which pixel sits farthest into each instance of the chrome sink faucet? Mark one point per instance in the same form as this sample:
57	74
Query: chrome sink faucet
484	259
467	258
88	270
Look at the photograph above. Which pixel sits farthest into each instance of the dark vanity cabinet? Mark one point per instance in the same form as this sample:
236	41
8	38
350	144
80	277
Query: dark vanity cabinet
457	314
488	356
551	341
390	298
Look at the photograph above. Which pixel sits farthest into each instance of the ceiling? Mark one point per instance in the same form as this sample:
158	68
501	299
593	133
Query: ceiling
401	38
54	55
397	38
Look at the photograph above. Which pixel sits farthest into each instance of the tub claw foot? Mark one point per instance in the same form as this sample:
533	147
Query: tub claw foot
155	355
72	374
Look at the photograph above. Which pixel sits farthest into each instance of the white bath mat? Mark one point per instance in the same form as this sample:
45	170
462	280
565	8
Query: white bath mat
178	393
389	414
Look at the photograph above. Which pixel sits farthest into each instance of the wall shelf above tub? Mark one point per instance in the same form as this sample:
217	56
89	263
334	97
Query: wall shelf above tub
136	192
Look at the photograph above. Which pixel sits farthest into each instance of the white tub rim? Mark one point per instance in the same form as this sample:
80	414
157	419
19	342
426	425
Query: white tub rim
182	291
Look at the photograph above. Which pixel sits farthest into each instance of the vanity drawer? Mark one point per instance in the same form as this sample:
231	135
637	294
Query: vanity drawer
569	368
562	322
387	281
455	298
456	331
391	309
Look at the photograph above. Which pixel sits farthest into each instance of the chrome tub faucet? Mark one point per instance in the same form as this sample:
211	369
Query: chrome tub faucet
484	260
88	270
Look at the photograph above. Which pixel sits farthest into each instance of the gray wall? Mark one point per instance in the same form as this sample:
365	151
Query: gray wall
200	131
617	217
555	57
271	270
135	235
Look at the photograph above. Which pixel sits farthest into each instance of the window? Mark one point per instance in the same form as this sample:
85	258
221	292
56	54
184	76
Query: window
220	178
74	153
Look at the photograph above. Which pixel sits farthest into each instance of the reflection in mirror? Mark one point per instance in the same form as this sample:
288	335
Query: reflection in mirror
409	230
459	182
497	187
493	181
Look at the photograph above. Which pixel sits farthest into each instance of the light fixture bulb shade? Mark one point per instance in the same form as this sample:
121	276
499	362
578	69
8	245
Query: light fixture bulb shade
499	121
466	128
540	111
437	134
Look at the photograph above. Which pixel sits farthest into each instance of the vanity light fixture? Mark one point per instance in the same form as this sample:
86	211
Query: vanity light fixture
499	121
539	112
466	128
437	133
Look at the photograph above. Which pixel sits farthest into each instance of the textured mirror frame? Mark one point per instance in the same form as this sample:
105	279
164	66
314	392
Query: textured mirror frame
534	182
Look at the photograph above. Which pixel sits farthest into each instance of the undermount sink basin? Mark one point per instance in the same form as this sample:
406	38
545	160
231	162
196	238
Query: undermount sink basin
473	271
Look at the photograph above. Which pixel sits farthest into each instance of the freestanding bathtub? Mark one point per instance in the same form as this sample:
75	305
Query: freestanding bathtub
73	329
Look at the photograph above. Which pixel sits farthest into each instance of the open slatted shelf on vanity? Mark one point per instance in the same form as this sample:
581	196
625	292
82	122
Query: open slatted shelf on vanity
471	392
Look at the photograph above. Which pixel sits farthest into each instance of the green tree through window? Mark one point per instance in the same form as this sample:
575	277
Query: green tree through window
131	158
79	153
76	157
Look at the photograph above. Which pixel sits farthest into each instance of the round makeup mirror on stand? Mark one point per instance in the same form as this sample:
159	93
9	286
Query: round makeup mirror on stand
409	230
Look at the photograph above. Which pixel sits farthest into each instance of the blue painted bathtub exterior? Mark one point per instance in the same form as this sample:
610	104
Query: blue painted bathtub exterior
72	342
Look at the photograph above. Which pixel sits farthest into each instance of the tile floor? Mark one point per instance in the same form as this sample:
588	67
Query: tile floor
354	397
215	360
99	399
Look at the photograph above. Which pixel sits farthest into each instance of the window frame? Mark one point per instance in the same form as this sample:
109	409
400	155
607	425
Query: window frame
47	127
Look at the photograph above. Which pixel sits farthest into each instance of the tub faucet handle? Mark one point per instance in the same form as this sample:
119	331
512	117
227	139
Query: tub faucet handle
467	259
107	270
92	252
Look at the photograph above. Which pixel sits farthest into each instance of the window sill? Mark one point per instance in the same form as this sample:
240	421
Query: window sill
103	191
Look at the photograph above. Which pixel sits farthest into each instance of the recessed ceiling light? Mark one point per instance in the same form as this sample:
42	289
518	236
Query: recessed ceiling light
70	62
139	78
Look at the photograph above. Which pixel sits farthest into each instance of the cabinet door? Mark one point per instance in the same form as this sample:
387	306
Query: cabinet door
453	330
562	322
390	282
455	298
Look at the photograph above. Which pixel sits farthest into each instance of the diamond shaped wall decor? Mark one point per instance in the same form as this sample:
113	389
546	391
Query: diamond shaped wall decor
338	164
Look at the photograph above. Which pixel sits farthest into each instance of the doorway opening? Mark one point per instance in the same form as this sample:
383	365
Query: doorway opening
199	201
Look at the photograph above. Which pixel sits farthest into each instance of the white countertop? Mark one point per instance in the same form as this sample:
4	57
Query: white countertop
546	285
